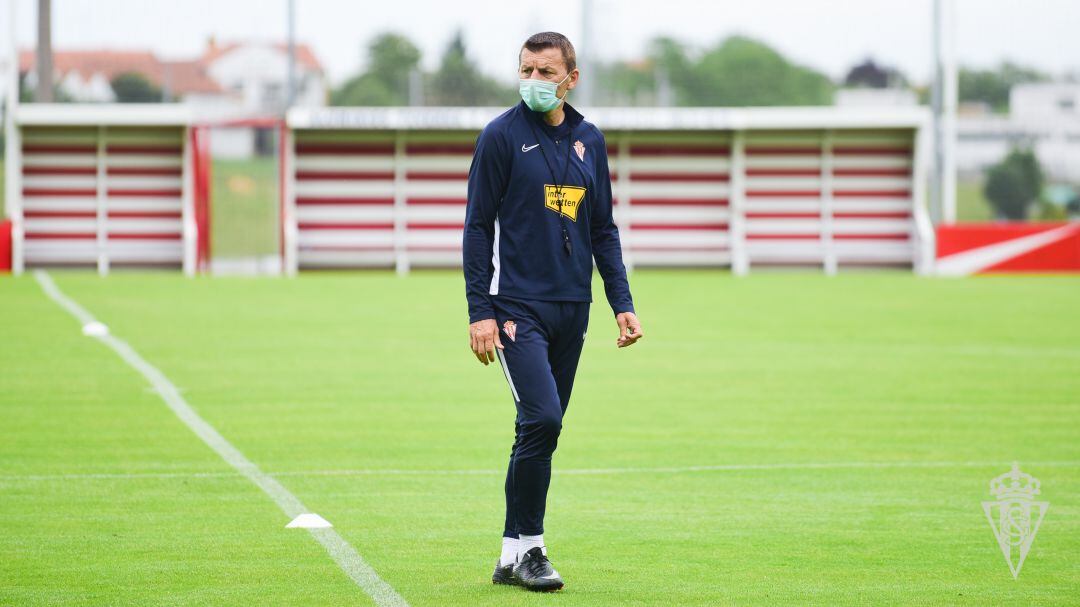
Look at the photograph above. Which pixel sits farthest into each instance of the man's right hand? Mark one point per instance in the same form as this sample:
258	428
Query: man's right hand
484	338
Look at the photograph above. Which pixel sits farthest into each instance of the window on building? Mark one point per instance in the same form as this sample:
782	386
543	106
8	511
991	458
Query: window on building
272	94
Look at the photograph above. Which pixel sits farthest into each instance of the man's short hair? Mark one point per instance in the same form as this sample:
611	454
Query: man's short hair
543	40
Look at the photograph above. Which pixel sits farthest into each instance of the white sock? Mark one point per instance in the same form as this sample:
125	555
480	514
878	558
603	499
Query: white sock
509	551
528	542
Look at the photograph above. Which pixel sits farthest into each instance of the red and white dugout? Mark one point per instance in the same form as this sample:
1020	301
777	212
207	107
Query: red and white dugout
102	186
729	187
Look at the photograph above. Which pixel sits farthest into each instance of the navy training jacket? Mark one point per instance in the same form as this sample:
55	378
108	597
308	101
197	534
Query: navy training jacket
513	242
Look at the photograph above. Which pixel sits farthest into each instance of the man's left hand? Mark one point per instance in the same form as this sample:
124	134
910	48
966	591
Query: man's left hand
629	329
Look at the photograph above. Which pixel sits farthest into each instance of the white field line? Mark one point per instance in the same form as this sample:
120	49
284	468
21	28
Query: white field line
342	552
557	472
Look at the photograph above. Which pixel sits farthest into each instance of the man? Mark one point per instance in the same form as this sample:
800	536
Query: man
538	213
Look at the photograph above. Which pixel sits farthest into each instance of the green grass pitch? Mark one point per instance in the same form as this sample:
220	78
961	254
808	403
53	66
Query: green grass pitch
358	392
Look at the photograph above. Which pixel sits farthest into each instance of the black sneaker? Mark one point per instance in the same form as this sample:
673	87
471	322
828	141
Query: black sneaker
503	575
535	572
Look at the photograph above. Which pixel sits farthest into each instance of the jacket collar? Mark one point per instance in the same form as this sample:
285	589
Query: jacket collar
572	117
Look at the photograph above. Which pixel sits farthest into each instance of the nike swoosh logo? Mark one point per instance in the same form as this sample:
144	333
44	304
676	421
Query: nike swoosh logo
551	576
526	149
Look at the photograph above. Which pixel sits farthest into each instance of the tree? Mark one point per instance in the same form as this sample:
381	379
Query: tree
26	93
742	71
671	60
392	57
1073	207
623	83
645	82
737	71
460	82
1014	184
133	87
869	74
992	86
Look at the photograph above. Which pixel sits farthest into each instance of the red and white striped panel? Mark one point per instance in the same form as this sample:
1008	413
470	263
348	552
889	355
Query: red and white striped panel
144	195
436	180
344	196
673	194
138	175
345	193
672	205
59	196
872	197
783	197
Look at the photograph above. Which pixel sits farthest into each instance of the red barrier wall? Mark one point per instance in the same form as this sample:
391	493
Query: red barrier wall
5	246
1008	247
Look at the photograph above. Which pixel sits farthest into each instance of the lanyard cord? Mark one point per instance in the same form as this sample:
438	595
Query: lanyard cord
559	196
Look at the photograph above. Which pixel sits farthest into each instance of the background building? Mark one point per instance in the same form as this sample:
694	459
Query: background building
227	82
1043	116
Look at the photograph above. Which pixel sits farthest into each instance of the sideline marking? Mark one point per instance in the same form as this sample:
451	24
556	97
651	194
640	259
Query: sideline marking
342	552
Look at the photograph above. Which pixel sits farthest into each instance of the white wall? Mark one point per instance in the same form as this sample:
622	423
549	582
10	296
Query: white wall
1044	101
984	141
258	74
875	97
1044	116
232	143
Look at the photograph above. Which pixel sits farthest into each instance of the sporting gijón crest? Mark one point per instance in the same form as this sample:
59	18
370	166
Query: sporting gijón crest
579	149
510	328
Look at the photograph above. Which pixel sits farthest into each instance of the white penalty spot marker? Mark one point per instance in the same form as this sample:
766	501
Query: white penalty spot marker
95	329
309	520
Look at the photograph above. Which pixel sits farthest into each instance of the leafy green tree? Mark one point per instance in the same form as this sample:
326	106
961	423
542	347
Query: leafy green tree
630	83
1014	184
26	92
1073	207
742	71
992	86
460	82
672	59
869	74
624	83
738	71
392	57
133	87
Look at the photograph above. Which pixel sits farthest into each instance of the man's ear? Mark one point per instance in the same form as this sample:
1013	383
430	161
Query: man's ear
573	81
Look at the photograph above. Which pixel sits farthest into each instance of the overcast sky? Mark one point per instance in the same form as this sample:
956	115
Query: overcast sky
829	35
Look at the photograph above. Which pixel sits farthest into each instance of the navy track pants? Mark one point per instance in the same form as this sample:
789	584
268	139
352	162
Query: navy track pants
542	343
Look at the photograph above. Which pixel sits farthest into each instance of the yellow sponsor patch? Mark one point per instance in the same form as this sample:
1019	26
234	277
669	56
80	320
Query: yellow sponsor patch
571	199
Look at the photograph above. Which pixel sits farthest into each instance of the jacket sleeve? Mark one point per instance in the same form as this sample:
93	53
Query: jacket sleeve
488	177
606	247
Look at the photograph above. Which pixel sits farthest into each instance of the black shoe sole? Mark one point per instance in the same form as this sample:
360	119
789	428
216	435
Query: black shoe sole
539	587
542	588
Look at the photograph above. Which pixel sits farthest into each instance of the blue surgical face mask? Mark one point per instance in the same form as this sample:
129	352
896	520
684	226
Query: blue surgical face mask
540	95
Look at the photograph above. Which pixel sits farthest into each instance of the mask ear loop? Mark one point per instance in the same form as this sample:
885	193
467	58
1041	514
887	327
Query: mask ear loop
563	98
